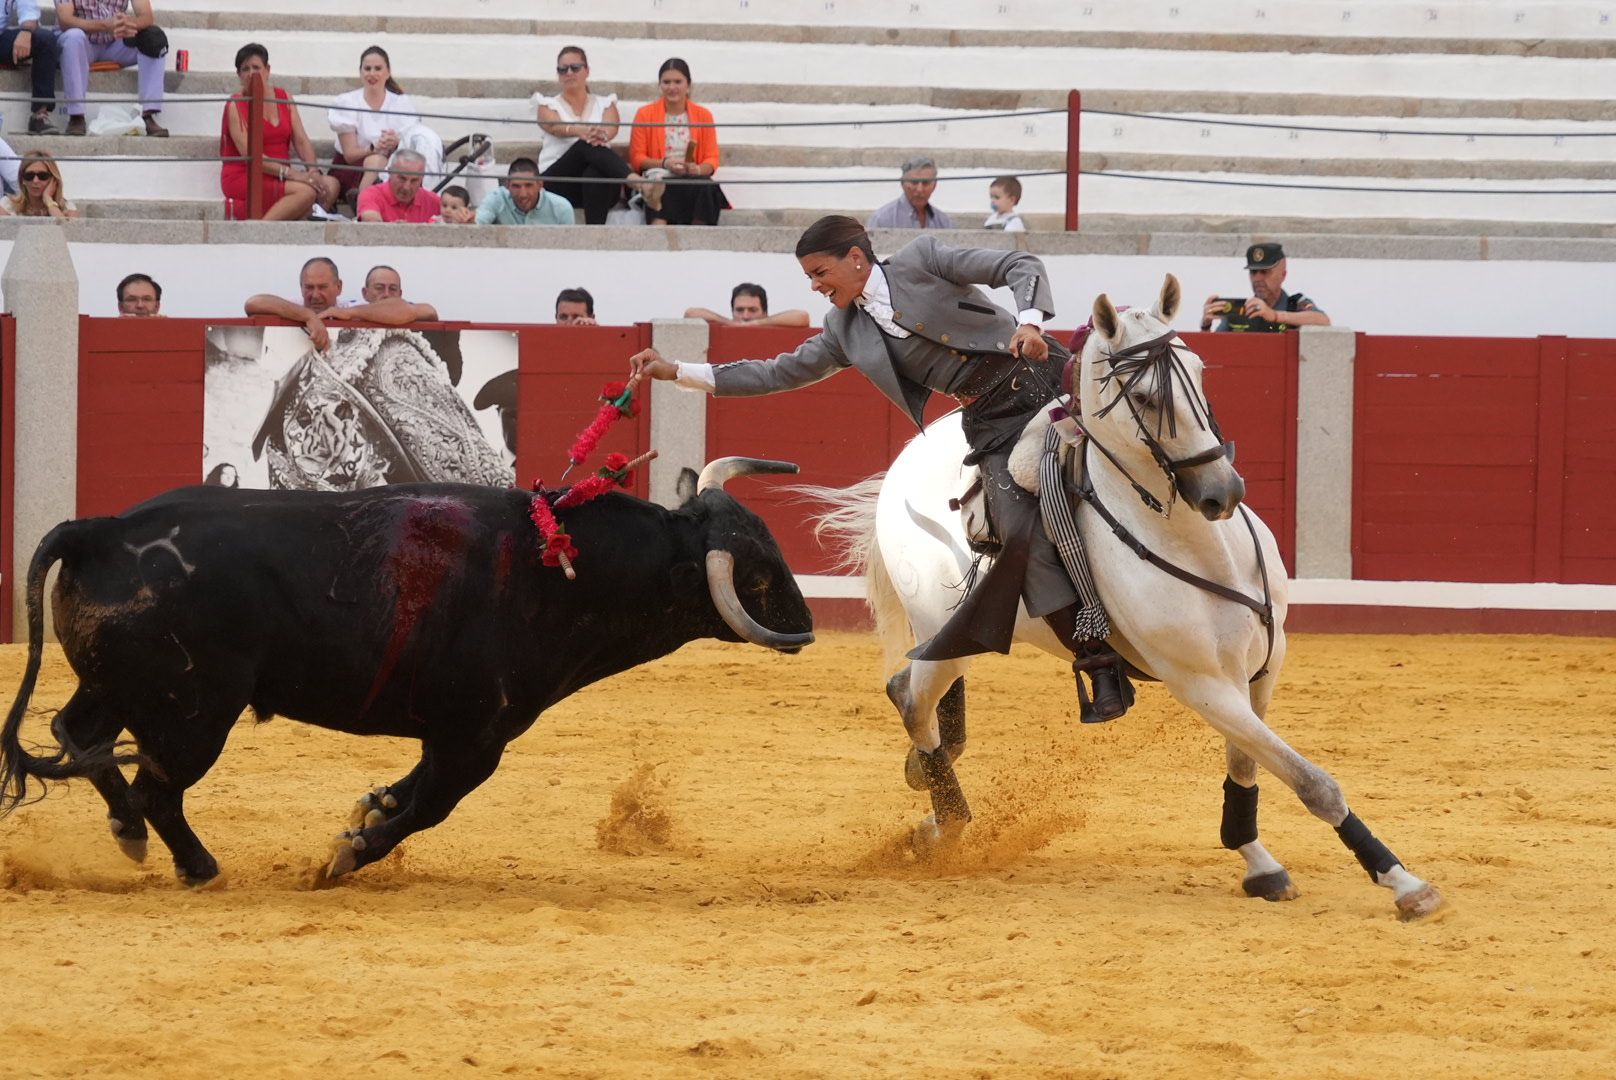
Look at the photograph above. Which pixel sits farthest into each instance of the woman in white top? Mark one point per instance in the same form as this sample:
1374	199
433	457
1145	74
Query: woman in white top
578	129
373	121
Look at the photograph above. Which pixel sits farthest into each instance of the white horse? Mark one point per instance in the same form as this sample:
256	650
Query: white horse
1202	610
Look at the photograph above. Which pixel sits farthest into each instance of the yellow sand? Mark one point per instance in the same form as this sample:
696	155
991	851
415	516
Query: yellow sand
698	869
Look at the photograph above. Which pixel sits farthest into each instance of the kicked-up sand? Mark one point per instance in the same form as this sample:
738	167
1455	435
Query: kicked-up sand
700	868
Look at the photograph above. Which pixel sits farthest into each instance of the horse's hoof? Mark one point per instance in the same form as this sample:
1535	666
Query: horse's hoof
932	839
913	774
1273	886
1419	904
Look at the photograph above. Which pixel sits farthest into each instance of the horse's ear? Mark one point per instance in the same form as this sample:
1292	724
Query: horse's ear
1105	317
1167	303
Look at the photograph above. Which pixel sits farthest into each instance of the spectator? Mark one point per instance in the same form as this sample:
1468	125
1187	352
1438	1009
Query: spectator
290	191
455	206
26	43
913	209
384	302
575	307
41	193
402	198
523	200
1004	195
321	285
749	306
375	120
139	297
1271	309
578	129
680	151
123	31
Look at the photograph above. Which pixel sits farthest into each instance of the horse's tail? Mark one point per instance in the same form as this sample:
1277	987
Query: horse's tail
848	525
17	765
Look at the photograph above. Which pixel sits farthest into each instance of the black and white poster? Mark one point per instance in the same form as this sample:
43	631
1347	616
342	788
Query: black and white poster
380	406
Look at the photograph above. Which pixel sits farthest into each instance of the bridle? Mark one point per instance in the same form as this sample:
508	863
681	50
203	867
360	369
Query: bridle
1126	369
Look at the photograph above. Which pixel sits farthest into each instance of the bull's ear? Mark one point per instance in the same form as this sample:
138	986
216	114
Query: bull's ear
1105	317
684	488
1167	303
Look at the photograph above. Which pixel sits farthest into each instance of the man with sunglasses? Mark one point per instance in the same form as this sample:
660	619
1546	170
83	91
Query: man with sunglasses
913	209
23	42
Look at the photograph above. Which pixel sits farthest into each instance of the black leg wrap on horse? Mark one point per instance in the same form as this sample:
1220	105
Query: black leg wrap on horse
947	798
951	717
1373	856
1239	814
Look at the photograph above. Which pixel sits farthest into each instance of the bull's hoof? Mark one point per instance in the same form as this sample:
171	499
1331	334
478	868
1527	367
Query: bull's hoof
1273	886
373	808
192	877
131	841
932	839
1419	904
345	851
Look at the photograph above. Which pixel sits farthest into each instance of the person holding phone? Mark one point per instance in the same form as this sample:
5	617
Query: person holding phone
1270	308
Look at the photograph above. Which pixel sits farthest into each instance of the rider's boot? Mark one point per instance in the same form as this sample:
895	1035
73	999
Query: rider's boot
1113	694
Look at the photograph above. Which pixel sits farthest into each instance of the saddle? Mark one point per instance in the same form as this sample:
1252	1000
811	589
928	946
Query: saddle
1025	459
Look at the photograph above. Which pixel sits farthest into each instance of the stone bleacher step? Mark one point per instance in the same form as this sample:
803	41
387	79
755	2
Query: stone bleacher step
513	91
987	159
915	36
1214	228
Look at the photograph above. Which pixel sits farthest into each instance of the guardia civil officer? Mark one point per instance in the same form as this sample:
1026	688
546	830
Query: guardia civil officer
1270	307
914	324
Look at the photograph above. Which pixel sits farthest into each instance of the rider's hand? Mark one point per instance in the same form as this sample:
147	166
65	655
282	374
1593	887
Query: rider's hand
648	363
1029	342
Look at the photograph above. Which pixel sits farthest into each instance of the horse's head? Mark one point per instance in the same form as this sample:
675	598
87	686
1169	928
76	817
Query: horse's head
1142	400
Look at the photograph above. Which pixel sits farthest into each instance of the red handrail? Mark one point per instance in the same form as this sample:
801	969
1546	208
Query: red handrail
256	91
1074	119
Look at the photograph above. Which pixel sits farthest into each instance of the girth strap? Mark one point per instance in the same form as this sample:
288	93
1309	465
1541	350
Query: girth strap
1263	608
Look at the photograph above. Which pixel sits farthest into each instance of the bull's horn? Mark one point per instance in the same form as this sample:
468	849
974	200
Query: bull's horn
718	472
721	583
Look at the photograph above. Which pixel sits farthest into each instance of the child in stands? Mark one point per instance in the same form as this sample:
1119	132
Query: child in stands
1003	196
457	208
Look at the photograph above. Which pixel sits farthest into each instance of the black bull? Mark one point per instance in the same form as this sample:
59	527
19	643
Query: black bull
419	611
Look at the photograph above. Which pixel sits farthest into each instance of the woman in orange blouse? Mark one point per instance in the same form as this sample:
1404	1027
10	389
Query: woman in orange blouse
682	152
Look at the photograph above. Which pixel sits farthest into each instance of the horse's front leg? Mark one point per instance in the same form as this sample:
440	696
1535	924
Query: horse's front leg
1228	709
930	697
1265	877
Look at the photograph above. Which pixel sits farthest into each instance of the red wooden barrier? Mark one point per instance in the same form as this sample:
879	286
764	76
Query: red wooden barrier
8	475
1478	459
1250	379
141	403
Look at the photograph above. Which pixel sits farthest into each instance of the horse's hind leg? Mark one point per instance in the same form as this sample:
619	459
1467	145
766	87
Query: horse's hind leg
930	697
87	723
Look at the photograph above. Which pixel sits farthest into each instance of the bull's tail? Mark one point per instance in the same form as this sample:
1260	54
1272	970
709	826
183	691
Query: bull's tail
848	524
17	765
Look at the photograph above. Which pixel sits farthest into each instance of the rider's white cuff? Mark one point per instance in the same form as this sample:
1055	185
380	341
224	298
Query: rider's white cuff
695	376
1032	316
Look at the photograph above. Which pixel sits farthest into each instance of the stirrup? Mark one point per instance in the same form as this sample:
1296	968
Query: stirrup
1113	693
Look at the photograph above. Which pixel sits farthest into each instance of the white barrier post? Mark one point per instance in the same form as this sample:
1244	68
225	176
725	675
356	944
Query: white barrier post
678	416
1324	452
42	292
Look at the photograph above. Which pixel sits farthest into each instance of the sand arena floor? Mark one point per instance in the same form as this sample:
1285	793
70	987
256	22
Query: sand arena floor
696	869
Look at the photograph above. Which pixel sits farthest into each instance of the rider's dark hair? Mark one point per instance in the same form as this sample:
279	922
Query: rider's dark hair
835	235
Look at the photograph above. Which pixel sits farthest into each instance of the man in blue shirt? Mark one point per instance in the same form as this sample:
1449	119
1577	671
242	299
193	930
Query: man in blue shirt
913	209
523	200
28	43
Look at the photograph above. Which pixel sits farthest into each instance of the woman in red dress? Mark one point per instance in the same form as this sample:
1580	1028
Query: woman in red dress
290	191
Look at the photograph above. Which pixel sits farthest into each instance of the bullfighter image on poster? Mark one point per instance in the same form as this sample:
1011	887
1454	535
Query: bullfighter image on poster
382	406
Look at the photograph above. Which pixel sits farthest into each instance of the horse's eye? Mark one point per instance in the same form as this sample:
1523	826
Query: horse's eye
1141	400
